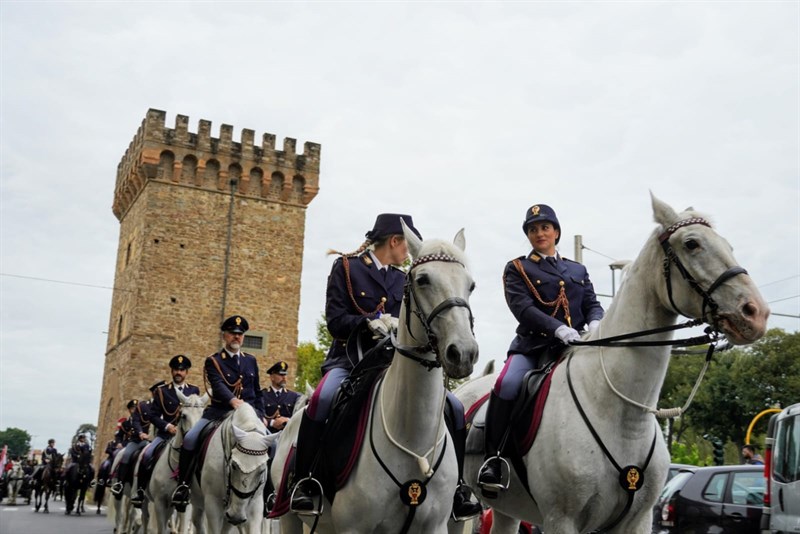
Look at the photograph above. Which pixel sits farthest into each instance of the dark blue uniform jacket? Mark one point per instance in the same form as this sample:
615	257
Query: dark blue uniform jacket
223	385
537	325
140	420
345	310
279	403
76	450
165	406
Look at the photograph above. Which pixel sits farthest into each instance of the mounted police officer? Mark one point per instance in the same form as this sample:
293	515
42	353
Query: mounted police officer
278	400
233	378
165	411
365	289
79	448
137	439
552	298
112	447
49	451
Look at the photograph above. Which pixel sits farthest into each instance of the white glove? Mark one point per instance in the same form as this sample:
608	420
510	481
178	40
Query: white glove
594	325
566	334
378	328
390	322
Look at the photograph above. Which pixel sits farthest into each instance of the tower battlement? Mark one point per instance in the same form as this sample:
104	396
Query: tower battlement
197	159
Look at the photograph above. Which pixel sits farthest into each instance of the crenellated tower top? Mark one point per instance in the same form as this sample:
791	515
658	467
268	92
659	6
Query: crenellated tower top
199	160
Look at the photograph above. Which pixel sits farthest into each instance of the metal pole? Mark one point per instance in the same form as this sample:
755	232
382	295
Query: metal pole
579	248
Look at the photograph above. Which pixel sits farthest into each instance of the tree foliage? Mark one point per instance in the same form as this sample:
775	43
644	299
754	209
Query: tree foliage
18	441
739	384
310	357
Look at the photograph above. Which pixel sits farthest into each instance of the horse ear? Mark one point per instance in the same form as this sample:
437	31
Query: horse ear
663	214
181	397
239	433
309	390
459	240
414	243
204	399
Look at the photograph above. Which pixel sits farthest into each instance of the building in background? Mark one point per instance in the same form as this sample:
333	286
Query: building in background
209	228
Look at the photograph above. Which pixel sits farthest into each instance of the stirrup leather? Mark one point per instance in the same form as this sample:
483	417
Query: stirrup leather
504	480
314	512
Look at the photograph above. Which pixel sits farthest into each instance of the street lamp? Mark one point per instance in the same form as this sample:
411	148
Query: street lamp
617	265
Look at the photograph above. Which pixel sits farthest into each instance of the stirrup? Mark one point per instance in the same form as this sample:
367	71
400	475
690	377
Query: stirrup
138	499
180	504
461	519
492	487
117	488
312	512
269	503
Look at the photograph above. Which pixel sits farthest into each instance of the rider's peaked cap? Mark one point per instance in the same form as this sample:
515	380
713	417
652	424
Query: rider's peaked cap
280	367
387	224
132	403
236	324
180	362
539	213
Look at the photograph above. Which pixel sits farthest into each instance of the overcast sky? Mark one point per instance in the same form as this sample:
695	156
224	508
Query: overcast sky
462	114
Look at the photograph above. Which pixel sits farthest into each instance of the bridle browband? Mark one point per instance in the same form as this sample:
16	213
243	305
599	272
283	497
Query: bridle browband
672	257
409	293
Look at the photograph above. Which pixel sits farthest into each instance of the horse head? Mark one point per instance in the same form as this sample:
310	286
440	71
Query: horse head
191	410
436	303
246	470
702	278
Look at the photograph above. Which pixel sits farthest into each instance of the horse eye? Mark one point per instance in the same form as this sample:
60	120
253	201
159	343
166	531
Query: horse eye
472	287
691	244
423	280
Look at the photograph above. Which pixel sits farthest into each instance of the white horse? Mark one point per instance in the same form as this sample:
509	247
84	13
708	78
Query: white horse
158	493
233	476
406	423
14	478
121	513
575	486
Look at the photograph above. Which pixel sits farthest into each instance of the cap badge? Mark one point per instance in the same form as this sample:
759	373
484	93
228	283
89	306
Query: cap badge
238	321
180	359
535	210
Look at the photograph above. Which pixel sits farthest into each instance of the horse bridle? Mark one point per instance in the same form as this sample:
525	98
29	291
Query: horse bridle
409	293
230	487
672	258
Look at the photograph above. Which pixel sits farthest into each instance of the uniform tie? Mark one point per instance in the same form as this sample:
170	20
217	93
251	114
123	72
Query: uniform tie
552	261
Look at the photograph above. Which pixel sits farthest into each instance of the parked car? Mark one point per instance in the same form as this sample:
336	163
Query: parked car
781	511
722	499
675	468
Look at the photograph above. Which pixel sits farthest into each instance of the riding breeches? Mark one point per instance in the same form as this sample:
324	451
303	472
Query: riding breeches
129	449
190	439
319	407
509	382
148	452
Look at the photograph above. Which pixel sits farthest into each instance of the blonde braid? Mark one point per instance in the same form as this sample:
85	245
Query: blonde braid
361	249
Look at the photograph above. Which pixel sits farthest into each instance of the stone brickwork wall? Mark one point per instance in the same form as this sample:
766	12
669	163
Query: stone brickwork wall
208	228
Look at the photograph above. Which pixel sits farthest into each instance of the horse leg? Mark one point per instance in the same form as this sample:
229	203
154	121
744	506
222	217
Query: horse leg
291	524
503	524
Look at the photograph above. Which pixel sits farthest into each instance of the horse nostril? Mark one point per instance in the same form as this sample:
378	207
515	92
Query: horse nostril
750	310
453	354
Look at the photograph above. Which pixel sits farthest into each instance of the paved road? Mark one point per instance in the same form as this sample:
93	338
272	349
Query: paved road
23	520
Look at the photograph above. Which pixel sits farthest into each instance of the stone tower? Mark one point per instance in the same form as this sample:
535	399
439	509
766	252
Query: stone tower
208	228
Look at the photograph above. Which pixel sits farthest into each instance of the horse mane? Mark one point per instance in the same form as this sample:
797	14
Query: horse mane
245	418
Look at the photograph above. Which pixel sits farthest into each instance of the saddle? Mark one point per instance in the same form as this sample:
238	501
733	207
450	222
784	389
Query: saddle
204	439
146	468
526	416
344	431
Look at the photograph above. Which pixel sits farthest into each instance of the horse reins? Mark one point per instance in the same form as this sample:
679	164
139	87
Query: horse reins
632	477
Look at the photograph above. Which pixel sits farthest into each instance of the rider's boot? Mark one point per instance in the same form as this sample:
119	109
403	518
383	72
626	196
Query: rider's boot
463	507
307	490
498	417
180	498
119	481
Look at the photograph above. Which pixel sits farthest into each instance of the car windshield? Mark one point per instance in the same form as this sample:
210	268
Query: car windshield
676	483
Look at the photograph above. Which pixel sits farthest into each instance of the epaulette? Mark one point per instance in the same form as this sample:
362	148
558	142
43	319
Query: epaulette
535	258
366	259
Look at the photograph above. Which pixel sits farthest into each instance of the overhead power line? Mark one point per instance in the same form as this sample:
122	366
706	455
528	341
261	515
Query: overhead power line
63	282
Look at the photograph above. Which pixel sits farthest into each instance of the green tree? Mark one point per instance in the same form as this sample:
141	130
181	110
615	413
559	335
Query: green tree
18	441
739	384
311	356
